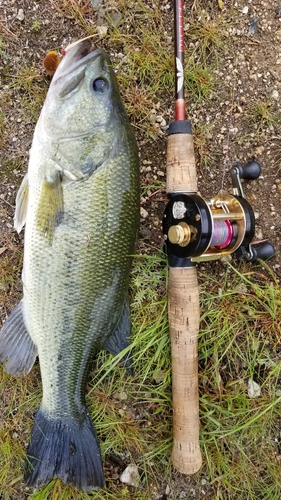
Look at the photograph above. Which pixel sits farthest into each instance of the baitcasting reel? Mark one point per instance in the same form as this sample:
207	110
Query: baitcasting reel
201	231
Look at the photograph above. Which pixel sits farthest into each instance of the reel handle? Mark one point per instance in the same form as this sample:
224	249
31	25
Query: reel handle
262	251
183	312
250	171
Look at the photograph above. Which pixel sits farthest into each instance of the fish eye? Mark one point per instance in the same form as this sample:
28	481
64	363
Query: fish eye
100	85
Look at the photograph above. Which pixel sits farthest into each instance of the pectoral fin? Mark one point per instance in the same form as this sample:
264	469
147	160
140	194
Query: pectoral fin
120	339
21	205
50	206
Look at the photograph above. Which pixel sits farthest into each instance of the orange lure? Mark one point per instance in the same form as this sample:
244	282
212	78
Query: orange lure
53	58
51	62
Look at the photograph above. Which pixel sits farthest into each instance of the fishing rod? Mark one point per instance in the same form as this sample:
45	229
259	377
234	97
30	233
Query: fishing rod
196	230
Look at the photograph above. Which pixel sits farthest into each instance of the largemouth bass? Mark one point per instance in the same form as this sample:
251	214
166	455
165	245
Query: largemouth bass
80	204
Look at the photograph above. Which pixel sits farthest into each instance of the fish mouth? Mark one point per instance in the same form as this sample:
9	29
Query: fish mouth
71	71
77	56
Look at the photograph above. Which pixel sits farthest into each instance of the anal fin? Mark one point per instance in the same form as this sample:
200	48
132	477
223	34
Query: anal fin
16	346
120	339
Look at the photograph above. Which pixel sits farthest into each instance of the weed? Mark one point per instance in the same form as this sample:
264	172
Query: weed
263	114
77	10
207	32
3	127
199	82
239	436
29	84
3	51
148	190
147	66
10	271
36	25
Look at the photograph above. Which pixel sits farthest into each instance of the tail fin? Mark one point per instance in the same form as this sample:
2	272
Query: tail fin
66	448
16	345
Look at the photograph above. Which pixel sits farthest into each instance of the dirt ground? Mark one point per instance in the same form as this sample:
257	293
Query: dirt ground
240	120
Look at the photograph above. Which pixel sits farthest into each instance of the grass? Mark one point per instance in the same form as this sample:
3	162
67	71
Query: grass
3	50
146	71
76	10
206	31
11	264
240	436
29	84
199	81
263	115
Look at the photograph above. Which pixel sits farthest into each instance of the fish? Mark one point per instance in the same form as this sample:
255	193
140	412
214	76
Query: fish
79	202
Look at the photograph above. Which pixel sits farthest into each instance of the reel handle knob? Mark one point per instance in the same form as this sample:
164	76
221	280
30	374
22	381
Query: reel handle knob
249	171
263	251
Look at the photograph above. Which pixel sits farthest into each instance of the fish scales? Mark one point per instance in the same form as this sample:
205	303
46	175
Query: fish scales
71	281
81	218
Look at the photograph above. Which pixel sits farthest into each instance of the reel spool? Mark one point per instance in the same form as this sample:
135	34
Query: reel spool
198	230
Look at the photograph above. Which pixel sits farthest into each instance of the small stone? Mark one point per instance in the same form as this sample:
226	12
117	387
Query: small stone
159	118
143	213
259	150
121	396
152	116
226	259
20	15
241	288
130	475
110	16
102	30
275	95
168	489
159	376
254	389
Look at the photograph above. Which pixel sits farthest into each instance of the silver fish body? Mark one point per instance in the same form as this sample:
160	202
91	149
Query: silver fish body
80	203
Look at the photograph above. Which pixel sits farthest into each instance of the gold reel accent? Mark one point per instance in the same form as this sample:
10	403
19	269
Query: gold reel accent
181	234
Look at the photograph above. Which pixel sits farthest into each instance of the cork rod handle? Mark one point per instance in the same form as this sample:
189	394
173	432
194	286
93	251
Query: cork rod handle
181	170
184	325
183	311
